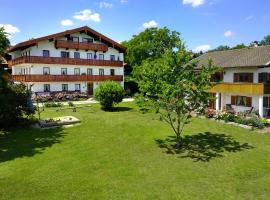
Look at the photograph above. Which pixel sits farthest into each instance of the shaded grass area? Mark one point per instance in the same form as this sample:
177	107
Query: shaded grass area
128	155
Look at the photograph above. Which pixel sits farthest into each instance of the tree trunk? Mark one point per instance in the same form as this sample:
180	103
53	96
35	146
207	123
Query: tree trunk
178	141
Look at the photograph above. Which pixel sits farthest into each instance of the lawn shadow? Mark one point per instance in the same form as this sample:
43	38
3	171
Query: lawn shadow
120	109
26	142
203	146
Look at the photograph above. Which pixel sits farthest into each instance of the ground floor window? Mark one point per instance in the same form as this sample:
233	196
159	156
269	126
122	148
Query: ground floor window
266	102
64	87
241	101
77	87
46	87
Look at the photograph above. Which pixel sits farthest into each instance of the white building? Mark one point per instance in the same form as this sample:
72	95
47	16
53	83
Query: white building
245	79
73	60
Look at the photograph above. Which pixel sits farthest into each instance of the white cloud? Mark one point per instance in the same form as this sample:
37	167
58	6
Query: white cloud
10	29
66	22
228	33
194	3
203	48
150	24
123	1
105	4
87	15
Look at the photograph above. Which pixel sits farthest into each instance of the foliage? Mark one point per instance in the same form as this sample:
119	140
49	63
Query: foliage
240	46
151	43
171	86
4	42
14	104
221	48
108	94
52	104
70	104
265	40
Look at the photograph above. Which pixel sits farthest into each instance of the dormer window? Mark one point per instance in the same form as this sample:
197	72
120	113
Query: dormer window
113	57
101	56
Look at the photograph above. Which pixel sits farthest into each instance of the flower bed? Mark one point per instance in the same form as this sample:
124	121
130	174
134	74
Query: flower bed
251	119
60	96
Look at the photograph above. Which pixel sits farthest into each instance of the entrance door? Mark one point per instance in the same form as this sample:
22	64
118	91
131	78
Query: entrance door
90	88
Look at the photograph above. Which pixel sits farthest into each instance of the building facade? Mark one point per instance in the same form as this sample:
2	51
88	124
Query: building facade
74	60
245	79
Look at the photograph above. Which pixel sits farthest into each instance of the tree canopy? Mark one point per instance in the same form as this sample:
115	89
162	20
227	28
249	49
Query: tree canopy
4	42
150	44
265	40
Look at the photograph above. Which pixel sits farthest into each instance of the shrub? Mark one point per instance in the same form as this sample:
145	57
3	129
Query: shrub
52	104
108	94
71	104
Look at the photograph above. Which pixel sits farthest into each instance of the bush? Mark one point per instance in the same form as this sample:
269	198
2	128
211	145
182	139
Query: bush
52	104
108	94
15	104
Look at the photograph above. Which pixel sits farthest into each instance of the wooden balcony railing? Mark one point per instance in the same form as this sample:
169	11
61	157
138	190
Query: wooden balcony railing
63	61
80	45
64	78
242	88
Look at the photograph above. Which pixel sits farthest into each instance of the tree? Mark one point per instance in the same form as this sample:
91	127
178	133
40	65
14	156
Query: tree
265	40
171	86
4	42
151	43
221	48
240	46
108	94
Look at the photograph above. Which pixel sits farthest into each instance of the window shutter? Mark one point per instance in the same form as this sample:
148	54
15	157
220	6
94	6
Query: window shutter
250	77
249	101
233	100
235	77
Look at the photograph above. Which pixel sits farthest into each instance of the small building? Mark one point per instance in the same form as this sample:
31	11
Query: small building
73	60
245	78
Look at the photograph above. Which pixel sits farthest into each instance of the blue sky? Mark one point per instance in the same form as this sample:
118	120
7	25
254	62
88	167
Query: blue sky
203	24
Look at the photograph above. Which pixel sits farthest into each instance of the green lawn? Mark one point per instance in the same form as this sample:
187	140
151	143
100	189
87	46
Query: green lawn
128	155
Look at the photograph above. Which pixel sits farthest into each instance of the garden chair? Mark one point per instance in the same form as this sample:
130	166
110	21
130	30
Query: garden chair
229	109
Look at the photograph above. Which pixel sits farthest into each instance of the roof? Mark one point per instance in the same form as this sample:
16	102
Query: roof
84	29
246	57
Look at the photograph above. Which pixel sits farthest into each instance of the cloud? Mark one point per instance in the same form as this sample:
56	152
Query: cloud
87	15
10	29
150	24
105	4
66	22
250	17
194	3
123	1
203	48
228	33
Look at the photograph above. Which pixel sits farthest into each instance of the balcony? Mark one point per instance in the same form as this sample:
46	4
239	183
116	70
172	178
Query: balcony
242	88
80	45
64	78
63	61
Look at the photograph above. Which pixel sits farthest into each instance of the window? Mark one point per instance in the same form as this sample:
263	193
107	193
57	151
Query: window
112	72
101	56
89	55
75	39
76	54
46	87
241	101
46	53
112	57
90	71
64	71
243	77
87	40
64	54
266	102
78	87
77	71
46	70
101	72
264	77
64	87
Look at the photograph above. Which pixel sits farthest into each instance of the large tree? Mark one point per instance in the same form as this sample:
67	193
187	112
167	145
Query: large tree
172	86
4	42
221	48
265	40
151	43
240	46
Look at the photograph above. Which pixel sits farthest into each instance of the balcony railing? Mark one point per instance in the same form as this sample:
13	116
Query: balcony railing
63	61
64	78
80	45
242	88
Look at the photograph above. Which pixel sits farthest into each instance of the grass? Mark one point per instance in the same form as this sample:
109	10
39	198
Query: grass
129	155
